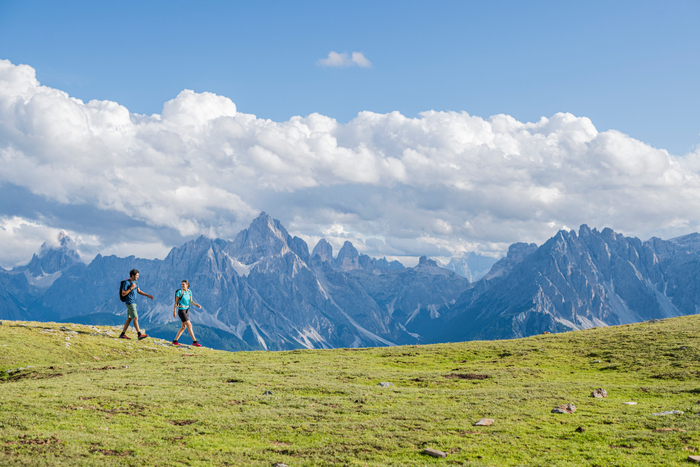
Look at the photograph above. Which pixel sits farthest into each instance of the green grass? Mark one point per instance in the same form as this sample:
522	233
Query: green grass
143	403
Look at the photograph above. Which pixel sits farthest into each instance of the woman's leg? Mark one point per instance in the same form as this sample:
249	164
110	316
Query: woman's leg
182	329
189	328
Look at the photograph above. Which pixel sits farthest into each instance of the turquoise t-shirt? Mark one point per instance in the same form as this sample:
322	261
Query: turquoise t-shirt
185	299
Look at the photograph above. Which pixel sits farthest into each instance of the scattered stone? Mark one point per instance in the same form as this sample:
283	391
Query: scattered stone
596	361
666	430
684	348
484	422
629	403
386	385
669	412
580	430
695	459
268	393
565	408
599	393
279	464
434	452
654	320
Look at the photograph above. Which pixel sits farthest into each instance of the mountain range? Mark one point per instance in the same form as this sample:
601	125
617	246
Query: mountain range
265	290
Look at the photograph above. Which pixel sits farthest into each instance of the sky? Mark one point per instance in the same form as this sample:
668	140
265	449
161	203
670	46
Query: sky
407	127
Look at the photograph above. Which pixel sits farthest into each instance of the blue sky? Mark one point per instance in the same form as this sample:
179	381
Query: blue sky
135	126
632	66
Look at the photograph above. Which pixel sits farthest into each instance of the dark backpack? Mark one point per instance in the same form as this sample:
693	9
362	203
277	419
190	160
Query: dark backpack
121	287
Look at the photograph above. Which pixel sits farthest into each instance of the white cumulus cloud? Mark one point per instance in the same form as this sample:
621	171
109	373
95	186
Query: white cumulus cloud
440	184
340	60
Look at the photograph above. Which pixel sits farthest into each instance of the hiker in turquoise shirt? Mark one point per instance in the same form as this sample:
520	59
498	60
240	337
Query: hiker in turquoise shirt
183	299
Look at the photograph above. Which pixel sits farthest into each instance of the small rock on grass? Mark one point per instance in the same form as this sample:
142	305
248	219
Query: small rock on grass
268	393
279	464
484	422
599	393
434	452
629	403
695	459
386	385
596	361
565	408
580	429
669	412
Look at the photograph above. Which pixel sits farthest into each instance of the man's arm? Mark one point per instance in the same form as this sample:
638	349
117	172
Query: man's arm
144	294
128	291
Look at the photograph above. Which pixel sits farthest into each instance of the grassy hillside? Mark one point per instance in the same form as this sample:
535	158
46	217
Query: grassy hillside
85	397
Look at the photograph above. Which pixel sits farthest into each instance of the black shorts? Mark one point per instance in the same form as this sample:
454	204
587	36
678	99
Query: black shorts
184	314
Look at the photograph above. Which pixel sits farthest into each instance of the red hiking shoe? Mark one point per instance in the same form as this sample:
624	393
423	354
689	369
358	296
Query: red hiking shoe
176	343
124	336
196	344
143	336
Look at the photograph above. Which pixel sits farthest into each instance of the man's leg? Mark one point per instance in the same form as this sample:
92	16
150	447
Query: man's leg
136	326
126	325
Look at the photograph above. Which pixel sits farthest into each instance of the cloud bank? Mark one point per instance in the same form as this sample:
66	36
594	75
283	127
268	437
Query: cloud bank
441	184
342	60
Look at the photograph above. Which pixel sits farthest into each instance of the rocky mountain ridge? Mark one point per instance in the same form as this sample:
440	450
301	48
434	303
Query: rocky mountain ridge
266	291
264	288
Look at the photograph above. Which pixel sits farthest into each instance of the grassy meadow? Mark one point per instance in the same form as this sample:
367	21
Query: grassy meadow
84	397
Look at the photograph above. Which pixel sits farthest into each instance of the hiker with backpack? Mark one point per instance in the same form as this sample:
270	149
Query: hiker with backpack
183	299
127	293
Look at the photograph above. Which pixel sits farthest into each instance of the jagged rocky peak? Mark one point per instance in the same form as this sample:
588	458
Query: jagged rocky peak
323	250
348	257
54	259
516	253
689	243
265	237
424	261
385	265
267	228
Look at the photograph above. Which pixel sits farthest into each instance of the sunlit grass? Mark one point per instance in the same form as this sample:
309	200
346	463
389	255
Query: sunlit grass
147	403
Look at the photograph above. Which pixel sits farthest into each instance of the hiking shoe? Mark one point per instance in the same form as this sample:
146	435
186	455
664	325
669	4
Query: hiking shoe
143	336
196	344
176	343
124	336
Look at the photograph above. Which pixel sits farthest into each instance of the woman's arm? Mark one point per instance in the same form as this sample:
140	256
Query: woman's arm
177	302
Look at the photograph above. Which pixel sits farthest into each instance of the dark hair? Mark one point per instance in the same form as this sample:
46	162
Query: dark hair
133	272
186	282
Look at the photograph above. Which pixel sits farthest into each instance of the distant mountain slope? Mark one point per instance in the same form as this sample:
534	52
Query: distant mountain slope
578	281
263	290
